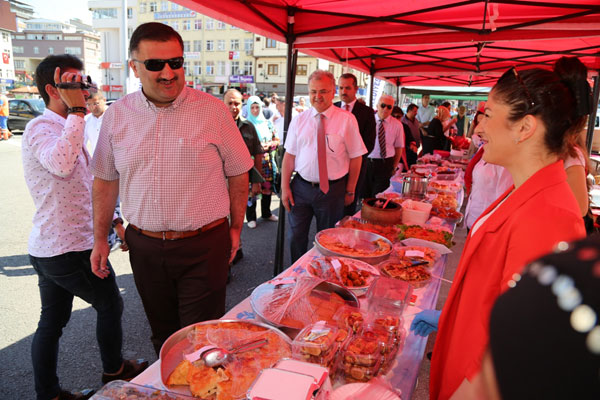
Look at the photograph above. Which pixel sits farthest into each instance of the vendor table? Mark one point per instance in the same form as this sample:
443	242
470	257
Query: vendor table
403	374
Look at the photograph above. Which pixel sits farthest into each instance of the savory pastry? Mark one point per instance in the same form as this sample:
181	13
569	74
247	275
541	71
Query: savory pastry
333	243
400	270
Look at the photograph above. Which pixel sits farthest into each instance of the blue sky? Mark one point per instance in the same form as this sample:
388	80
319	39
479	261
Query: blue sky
61	10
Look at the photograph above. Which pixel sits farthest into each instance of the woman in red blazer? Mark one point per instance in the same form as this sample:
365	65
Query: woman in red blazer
527	117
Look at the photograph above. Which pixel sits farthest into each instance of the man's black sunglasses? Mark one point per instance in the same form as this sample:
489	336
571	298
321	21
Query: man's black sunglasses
156	64
383	105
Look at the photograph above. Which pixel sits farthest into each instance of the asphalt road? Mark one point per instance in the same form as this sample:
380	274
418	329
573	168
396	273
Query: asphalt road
79	363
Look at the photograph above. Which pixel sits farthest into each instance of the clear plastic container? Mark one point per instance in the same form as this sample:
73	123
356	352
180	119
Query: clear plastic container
318	343
386	321
349	318
361	359
388	295
118	390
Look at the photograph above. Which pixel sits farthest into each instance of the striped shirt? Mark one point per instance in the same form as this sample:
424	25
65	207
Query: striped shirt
172	162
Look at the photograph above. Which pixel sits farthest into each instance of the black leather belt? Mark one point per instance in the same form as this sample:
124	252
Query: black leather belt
380	160
316	184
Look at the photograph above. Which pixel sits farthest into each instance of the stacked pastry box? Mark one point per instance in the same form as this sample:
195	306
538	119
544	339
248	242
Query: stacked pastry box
358	346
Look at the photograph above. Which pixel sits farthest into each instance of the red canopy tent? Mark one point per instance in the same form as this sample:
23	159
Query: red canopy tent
421	42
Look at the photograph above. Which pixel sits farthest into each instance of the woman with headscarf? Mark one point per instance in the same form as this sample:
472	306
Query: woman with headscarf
525	130
436	139
264	129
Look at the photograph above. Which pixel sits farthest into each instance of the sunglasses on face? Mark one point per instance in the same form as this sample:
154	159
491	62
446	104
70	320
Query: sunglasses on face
383	105
156	64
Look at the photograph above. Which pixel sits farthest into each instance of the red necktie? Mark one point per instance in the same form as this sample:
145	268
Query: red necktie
322	156
381	138
347	107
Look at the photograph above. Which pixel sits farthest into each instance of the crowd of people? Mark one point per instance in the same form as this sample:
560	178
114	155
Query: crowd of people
184	168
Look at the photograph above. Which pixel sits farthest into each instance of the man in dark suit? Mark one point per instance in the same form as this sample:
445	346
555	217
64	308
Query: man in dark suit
347	88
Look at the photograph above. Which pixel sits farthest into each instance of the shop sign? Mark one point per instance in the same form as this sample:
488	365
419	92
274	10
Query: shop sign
241	79
221	79
8	81
116	88
234	55
111	65
174	14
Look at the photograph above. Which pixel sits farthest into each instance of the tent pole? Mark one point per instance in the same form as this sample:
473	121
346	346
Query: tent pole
371	91
592	116
292	58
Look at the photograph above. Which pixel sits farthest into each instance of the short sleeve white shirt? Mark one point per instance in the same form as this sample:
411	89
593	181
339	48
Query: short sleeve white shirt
394	137
92	131
425	114
343	142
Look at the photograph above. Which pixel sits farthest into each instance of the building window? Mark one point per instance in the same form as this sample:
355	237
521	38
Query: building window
210	68
20	64
5	37
198	24
210	46
234	44
221	25
248	68
272	69
186	68
129	13
221	68
164	6
73	50
197	45
271	44
186	45
36	50
186	25
210	24
301	69
142	8
18	49
221	45
50	50
176	25
197	68
153	6
129	32
332	68
235	68
248	44
175	7
104	13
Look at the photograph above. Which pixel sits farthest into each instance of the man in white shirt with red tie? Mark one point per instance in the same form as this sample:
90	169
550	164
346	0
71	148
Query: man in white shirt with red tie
388	149
324	147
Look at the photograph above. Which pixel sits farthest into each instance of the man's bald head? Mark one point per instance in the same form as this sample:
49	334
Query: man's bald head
233	101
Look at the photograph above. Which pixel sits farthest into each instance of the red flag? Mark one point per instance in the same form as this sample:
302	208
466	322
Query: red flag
5	58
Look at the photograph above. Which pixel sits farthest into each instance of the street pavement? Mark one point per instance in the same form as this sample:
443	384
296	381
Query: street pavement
79	363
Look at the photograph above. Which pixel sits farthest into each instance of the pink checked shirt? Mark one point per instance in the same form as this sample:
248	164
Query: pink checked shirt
173	162
58	177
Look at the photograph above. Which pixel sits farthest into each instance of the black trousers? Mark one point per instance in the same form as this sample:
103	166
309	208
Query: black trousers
180	282
379	172
350	209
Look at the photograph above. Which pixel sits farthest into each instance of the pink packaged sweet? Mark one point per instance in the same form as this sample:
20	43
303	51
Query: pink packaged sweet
278	384
319	343
321	375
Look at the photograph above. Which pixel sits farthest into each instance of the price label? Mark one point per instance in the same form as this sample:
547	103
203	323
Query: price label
336	263
414	253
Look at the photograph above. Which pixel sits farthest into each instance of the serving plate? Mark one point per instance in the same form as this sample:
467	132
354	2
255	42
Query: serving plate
356	239
179	344
263	295
354	265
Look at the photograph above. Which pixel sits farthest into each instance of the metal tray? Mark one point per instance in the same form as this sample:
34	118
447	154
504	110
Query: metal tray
267	288
172	351
356	234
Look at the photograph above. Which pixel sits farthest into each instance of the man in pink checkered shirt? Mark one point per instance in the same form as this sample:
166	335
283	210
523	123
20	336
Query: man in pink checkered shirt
176	158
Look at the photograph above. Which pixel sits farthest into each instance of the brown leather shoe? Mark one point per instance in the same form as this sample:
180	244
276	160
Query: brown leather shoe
83	395
131	369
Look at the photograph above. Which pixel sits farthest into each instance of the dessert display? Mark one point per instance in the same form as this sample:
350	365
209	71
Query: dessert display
232	379
349	318
418	253
443	200
347	272
121	390
378	247
361	359
416	275
390	232
295	303
418	232
319	344
447	213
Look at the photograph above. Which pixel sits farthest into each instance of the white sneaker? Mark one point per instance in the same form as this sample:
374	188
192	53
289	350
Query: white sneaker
251	224
273	217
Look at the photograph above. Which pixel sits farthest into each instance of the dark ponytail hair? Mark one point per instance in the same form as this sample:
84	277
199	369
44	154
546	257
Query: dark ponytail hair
549	96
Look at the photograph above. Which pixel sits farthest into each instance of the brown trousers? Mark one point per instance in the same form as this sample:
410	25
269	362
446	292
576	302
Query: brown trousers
180	282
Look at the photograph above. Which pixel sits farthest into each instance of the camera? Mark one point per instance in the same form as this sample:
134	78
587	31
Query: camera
85	84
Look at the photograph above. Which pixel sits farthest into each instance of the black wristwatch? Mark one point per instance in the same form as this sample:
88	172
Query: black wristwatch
117	221
73	110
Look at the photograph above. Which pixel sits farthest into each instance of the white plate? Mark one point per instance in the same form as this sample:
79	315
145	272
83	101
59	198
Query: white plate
346	392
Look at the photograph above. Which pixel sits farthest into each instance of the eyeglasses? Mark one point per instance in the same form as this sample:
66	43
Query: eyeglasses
156	64
518	78
383	105
320	92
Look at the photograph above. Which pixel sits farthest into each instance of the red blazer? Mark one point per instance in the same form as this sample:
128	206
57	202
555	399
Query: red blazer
532	220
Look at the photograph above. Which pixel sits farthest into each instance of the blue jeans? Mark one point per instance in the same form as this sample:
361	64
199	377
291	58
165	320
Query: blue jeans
311	201
59	279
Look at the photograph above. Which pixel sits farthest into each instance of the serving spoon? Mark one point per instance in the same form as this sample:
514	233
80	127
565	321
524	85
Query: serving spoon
215	356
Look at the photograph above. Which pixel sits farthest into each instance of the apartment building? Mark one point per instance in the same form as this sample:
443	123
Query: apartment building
115	28
23	12
8	25
217	55
43	37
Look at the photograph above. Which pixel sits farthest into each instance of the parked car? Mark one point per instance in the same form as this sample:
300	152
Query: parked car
21	111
